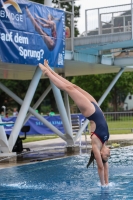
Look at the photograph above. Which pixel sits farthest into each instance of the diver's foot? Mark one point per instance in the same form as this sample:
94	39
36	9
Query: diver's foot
46	64
44	69
104	187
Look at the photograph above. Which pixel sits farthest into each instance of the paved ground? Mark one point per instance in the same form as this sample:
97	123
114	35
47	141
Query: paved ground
55	148
61	143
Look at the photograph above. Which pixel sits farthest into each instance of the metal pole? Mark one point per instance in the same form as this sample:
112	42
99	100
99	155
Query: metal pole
66	1
111	86
124	24
66	99
132	16
48	3
66	102
86	23
59	4
72	29
38	102
24	108
81	130
62	112
32	111
108	7
99	22
112	24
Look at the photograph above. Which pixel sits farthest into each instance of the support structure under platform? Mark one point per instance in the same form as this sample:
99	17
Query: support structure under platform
70	139
83	56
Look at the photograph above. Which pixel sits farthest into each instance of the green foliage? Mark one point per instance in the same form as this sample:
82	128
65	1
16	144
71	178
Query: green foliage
38	1
45	109
97	84
51	103
67	6
18	87
39	138
120	127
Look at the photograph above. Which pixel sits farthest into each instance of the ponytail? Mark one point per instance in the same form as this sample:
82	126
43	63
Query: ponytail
92	157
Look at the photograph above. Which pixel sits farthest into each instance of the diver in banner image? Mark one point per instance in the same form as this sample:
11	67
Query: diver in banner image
48	23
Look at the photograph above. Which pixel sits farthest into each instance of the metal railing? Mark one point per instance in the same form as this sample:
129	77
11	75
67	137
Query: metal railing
71	14
120	122
106	20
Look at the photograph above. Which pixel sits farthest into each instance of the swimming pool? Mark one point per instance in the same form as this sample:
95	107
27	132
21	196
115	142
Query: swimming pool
69	179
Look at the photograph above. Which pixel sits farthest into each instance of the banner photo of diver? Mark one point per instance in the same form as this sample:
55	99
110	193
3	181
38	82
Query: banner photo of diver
30	32
37	127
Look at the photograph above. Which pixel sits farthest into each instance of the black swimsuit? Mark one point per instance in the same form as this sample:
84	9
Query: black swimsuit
101	130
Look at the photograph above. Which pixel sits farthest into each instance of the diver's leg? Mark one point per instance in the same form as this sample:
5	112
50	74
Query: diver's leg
84	105
86	94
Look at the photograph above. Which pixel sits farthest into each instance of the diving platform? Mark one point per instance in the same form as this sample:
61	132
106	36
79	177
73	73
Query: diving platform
101	42
108	48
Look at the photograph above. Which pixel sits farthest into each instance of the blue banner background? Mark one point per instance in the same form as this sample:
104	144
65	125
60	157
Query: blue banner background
20	41
37	127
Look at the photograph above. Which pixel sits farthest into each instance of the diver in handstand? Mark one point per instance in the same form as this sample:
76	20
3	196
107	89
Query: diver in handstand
88	106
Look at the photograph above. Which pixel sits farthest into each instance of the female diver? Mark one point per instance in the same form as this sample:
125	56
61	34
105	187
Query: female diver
90	109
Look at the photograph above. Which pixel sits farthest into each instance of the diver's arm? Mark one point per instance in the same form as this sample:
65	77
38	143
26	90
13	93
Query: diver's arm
44	20
100	166
106	172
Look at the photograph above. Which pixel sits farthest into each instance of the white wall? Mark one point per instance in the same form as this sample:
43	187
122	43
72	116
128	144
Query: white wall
128	103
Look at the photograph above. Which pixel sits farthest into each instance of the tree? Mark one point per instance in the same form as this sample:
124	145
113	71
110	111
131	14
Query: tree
97	84
38	1
121	89
18	87
67	6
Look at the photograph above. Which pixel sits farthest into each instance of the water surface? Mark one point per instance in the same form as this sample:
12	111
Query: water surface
69	179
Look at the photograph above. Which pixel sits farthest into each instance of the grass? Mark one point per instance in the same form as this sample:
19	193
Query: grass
39	138
120	127
115	127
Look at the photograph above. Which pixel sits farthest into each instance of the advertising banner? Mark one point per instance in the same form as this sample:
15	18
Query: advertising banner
30	32
37	127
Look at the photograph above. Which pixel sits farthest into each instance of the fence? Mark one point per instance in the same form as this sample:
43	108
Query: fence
106	20
119	122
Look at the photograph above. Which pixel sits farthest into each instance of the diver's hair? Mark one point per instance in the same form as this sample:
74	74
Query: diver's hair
92	158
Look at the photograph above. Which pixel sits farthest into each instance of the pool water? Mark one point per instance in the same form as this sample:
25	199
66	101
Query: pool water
69	179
